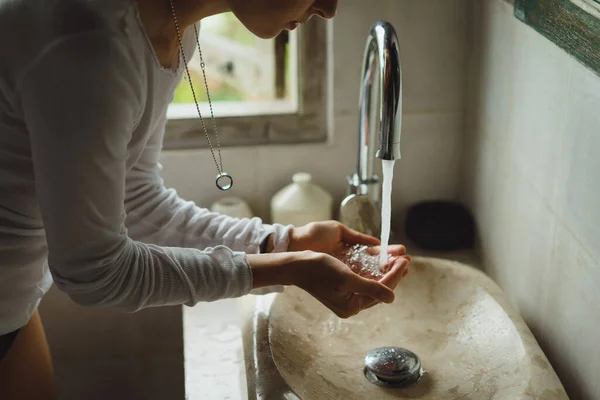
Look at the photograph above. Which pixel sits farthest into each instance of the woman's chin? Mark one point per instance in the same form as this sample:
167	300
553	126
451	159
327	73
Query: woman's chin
291	26
270	33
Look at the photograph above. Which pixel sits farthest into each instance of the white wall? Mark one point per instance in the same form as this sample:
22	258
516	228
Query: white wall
101	354
532	178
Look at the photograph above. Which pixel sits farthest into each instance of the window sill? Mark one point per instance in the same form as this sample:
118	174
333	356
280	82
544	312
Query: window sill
247	131
229	109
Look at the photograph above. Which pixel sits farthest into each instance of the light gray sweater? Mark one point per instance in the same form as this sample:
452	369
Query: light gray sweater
83	105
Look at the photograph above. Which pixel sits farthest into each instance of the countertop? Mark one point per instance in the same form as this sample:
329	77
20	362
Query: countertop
213	353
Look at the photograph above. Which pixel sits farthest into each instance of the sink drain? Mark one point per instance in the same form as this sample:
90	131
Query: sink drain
393	367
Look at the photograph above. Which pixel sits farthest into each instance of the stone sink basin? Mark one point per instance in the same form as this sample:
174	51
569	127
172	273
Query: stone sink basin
472	343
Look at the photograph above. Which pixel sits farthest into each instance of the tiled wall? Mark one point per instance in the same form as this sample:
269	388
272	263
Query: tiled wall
532	178
99	353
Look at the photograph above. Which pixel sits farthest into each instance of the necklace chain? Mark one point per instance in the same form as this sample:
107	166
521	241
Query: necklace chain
218	164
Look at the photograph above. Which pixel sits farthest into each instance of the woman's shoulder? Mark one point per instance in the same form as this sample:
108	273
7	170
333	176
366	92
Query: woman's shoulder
28	28
63	16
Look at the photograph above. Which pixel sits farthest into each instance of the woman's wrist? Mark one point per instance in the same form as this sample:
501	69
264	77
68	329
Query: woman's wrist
270	243
275	269
264	246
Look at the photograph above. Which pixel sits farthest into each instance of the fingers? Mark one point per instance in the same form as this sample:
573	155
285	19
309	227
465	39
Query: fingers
394	250
371	288
391	279
369	293
370	303
398	271
390	265
351	237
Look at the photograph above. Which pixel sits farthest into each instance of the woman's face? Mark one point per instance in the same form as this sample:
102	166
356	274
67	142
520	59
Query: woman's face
267	18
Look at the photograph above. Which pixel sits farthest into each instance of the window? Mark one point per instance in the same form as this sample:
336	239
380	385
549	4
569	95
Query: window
263	91
591	6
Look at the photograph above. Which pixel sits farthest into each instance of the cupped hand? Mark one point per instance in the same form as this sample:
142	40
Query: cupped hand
345	293
327	237
310	265
391	280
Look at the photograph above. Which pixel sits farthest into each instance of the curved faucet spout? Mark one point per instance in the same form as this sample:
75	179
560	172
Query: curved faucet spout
380	104
381	86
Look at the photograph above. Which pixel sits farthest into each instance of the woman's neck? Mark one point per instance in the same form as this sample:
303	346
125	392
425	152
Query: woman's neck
158	22
157	15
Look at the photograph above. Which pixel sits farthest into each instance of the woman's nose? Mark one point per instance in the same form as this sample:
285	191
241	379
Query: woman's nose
326	8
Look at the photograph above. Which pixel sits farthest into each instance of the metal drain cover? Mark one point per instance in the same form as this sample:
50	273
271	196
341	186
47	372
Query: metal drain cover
393	367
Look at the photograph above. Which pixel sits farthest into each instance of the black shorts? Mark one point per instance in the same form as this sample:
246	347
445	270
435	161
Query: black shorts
6	341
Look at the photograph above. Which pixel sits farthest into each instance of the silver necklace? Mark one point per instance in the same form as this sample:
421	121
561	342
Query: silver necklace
224	181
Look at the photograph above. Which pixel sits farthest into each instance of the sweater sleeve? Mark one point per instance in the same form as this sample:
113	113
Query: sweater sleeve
80	100
158	215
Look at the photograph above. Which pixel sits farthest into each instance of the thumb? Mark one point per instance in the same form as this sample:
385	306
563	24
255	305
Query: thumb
350	236
373	289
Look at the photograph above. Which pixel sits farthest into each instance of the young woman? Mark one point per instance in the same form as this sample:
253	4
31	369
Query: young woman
84	89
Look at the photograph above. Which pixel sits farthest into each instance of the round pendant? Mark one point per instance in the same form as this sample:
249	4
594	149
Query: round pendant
224	181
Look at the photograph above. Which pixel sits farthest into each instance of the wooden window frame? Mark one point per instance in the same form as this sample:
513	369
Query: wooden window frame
573	25
308	125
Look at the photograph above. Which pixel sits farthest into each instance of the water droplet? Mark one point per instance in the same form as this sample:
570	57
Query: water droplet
361	262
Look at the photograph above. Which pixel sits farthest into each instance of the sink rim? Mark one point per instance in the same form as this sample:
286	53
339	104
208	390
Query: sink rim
265	381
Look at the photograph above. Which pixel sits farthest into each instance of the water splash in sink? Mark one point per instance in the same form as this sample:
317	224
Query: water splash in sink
360	261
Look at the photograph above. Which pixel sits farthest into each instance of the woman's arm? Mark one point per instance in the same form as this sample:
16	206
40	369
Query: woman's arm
158	215
80	100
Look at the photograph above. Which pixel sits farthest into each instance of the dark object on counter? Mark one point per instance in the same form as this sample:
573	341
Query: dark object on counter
440	225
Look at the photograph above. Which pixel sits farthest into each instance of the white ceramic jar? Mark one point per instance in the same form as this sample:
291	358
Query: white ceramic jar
232	206
301	202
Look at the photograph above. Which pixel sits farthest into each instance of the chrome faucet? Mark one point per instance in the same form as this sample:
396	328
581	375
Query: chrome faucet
381	80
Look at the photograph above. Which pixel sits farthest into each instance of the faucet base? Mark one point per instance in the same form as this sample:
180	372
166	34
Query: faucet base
370	187
358	212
